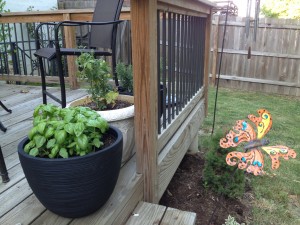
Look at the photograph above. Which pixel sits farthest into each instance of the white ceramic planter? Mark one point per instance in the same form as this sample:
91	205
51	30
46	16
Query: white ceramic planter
120	118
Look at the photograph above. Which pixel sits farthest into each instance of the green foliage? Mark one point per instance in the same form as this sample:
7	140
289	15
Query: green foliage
289	9
231	221
65	132
125	75
4	29
219	176
273	203
97	73
30	26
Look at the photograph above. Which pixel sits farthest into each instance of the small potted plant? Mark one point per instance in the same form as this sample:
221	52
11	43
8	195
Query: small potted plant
116	108
71	159
124	73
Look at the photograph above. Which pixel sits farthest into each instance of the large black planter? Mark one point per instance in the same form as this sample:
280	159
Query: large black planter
76	186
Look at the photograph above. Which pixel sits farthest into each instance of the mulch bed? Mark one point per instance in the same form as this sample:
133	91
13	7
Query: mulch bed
186	192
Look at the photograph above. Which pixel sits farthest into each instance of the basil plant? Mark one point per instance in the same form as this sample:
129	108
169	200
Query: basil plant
65	132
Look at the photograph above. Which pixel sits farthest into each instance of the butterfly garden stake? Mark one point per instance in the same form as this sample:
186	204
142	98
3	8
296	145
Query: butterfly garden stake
252	159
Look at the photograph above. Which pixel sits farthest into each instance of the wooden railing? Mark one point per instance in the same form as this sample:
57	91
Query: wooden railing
52	16
158	156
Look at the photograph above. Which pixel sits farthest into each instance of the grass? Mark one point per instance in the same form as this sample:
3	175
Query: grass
277	194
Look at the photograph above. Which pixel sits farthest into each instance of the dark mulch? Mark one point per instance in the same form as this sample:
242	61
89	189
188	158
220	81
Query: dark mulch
186	192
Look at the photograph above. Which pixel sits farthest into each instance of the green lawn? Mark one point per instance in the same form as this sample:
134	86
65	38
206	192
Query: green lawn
277	194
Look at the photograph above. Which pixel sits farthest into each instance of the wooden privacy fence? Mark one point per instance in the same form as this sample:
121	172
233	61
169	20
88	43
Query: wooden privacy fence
274	63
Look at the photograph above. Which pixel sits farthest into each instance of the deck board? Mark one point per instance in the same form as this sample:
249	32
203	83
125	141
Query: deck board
178	217
147	213
152	214
18	203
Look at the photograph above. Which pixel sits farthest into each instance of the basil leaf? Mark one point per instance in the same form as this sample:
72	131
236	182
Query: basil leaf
63	153
34	152
29	146
39	140
60	136
82	141
78	129
97	143
32	132
51	143
49	132
41	127
69	128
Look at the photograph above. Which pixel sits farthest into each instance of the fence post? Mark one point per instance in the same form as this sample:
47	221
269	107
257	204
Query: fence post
206	62
71	43
215	50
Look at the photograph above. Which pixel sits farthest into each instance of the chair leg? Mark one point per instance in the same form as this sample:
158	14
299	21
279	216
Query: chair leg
2	127
5	108
3	170
43	78
62	82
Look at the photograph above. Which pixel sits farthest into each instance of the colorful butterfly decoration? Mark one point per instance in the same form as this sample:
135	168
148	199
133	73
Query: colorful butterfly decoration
252	159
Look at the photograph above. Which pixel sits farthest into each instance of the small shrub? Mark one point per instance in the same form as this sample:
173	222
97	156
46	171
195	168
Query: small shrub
231	221
125	75
97	73
219	176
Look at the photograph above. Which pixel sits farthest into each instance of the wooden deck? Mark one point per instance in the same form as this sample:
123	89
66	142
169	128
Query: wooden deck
18	205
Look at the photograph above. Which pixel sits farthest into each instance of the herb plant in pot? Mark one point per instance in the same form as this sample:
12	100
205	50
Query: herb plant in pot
116	109
71	159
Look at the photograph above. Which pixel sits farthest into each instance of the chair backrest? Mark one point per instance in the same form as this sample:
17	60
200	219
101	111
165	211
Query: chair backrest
105	10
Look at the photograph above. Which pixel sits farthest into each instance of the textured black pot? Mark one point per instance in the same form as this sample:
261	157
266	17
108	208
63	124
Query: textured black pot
77	186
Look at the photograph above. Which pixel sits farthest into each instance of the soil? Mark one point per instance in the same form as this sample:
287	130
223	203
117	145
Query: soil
118	105
108	139
186	192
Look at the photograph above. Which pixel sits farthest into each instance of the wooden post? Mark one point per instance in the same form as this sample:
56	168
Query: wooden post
206	62
194	147
144	55
215	50
71	43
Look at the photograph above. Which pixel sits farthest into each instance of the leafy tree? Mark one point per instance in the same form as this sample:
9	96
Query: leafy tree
4	35
4	28
289	9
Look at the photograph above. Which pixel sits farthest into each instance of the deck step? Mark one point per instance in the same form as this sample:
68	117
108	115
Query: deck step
147	214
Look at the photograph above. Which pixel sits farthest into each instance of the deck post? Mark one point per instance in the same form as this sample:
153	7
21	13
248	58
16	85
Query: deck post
194	145
70	43
144	55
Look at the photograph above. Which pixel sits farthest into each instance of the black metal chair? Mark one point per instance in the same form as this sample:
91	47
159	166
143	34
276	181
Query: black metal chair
103	32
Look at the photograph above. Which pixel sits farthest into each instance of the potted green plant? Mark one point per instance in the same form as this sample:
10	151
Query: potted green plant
116	108
124	73
71	159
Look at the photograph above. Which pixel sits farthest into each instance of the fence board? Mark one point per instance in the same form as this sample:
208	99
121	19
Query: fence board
275	56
